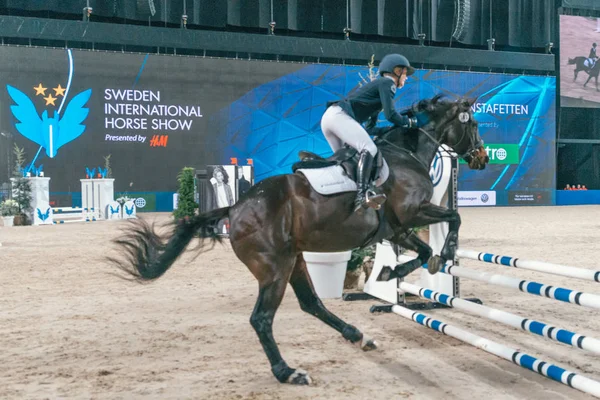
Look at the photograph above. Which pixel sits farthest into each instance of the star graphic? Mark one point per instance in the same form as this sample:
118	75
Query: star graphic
50	100
59	91
40	90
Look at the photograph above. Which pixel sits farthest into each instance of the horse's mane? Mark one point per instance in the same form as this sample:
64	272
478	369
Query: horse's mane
409	137
428	104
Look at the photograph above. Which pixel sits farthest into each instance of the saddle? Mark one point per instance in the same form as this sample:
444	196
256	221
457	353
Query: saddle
590	62
346	157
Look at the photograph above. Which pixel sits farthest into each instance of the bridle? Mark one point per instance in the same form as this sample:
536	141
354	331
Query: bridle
474	144
467	156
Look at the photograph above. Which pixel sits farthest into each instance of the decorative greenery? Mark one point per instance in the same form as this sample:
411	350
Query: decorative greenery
19	161
107	166
359	256
9	208
124	199
186	206
372	74
21	187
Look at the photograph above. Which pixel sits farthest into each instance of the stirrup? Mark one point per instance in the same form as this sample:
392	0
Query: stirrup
375	200
370	200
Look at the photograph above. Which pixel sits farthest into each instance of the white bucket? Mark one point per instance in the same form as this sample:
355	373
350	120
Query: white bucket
8	221
328	272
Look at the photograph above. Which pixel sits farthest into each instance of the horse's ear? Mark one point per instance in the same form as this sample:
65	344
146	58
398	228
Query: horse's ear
468	102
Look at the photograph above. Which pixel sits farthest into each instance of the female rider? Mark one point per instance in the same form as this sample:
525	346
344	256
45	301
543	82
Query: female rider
341	122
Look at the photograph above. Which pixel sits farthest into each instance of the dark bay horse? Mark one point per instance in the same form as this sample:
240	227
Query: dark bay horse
282	216
580	66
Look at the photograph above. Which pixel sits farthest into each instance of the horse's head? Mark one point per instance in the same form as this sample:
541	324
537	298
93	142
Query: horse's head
454	126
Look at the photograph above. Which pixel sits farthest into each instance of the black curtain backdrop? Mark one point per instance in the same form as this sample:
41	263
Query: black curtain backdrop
514	23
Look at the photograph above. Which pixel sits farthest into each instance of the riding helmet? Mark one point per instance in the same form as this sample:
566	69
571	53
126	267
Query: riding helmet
391	61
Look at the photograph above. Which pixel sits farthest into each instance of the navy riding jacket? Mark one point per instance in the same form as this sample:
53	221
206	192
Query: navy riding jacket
365	103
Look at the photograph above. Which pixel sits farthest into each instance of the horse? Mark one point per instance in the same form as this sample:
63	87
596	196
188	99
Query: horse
282	216
580	66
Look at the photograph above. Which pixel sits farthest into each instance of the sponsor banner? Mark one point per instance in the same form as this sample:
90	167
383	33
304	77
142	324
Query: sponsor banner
476	198
524	198
501	153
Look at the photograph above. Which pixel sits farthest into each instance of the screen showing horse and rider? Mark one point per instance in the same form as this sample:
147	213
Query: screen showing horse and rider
579	66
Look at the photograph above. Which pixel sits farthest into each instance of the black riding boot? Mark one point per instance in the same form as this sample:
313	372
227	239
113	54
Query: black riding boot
364	196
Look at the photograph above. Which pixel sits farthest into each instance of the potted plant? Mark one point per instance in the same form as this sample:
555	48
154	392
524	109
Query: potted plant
21	188
107	167
186	205
361	259
327	272
8	209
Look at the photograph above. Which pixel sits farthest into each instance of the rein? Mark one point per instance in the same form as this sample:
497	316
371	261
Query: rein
471	152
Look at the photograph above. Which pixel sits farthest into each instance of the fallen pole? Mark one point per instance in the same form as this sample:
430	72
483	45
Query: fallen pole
546	369
516	321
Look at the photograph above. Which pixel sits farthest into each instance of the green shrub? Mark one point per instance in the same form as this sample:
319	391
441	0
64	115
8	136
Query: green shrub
186	204
359	257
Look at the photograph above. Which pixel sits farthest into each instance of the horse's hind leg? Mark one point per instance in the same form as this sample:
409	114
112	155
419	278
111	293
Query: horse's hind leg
310	303
588	79
273	275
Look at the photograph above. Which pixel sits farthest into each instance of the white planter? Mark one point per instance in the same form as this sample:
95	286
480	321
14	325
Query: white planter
8	221
327	272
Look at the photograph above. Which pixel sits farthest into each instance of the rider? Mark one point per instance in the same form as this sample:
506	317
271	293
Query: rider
592	57
341	122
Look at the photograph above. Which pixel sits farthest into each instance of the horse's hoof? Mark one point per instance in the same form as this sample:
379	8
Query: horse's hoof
368	344
434	264
299	377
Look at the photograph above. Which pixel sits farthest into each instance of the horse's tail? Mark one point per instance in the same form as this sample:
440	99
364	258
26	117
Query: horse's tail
571	61
148	257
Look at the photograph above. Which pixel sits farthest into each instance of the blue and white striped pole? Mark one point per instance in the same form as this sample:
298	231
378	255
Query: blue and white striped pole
538	289
556	269
516	321
546	369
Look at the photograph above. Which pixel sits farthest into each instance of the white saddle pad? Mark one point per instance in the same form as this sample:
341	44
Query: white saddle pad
331	180
589	62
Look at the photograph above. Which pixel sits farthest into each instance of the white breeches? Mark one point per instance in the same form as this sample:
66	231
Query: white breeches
339	128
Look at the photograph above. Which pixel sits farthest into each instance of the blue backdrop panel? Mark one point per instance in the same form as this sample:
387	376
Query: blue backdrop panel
271	123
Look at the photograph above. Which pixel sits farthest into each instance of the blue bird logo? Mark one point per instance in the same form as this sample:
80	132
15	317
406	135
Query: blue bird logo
113	210
36	171
49	132
91	172
43	216
128	210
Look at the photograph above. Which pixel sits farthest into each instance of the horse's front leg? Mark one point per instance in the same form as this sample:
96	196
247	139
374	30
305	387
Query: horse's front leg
430	214
410	242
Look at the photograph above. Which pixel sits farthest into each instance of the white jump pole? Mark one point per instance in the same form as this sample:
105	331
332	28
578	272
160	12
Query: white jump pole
516	321
539	289
544	368
555	269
